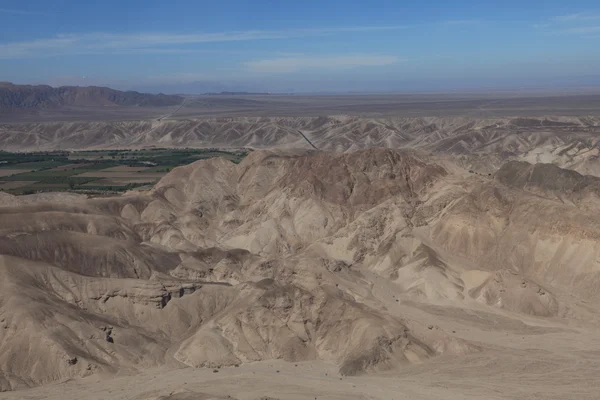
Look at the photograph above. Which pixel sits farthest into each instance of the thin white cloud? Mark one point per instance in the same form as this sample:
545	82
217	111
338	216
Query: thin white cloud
583	30
95	43
583	24
462	22
577	17
292	64
55	45
19	12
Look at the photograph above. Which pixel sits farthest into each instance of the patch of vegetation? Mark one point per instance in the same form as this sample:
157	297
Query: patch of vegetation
35	160
115	188
95	166
42	175
36	165
159	168
45	175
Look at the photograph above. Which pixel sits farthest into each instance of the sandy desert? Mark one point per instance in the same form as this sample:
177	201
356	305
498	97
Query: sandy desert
345	257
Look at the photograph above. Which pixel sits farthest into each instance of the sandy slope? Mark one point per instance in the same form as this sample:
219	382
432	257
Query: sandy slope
403	277
529	361
481	144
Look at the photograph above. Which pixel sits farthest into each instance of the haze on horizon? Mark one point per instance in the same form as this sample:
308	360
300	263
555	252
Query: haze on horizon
311	46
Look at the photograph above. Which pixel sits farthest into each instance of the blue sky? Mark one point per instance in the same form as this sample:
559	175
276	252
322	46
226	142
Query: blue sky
307	46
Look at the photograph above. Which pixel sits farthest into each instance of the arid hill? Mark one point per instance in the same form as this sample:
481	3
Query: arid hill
482	145
17	97
371	261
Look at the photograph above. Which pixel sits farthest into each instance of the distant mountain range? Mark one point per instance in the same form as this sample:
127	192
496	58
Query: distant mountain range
42	96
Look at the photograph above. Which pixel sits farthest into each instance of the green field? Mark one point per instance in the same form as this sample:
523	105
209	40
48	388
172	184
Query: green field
14	164
105	170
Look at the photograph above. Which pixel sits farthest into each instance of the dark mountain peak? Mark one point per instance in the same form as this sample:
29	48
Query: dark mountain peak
546	177
43	96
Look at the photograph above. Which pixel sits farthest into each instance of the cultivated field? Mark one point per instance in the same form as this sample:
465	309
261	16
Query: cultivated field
105	171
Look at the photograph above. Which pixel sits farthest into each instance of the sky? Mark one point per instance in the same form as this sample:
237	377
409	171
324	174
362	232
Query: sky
185	46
